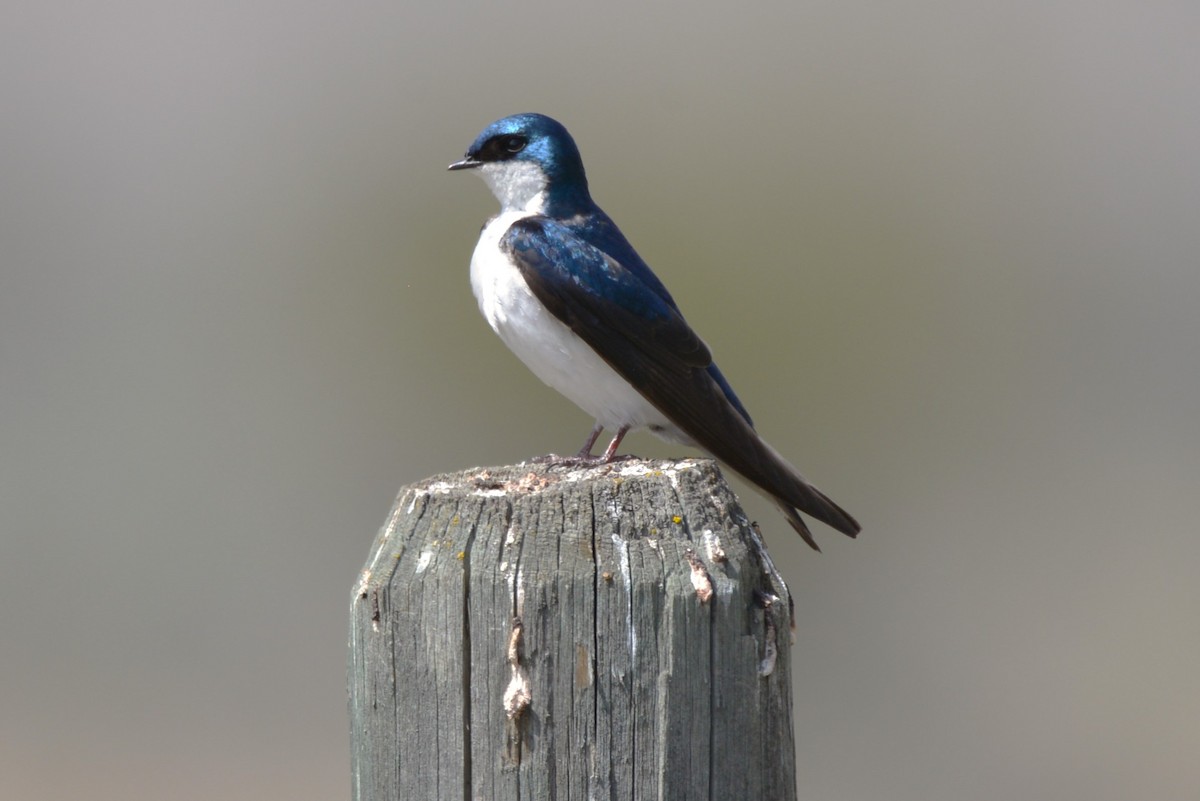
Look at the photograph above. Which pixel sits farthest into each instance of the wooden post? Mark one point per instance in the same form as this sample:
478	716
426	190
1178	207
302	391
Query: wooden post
543	631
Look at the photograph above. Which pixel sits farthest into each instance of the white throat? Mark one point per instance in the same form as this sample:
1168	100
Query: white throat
518	185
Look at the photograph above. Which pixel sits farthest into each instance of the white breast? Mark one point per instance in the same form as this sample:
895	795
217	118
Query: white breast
550	349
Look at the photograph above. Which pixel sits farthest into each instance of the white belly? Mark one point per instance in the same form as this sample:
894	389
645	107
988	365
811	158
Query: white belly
550	349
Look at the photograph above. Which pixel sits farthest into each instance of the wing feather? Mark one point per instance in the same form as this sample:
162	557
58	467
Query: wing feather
645	339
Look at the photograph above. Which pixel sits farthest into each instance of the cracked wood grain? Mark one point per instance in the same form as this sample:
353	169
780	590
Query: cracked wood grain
548	631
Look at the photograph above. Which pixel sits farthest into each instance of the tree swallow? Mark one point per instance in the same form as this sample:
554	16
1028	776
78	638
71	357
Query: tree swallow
564	289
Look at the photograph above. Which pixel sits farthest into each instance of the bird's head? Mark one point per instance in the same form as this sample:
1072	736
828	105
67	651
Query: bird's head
531	164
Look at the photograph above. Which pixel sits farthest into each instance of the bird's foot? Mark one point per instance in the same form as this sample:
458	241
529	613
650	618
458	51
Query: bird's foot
585	457
568	461
581	459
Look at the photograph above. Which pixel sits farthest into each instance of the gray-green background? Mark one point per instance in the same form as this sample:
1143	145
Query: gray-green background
948	253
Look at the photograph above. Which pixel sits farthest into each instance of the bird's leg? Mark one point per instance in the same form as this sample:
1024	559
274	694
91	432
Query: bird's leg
583	457
586	451
611	451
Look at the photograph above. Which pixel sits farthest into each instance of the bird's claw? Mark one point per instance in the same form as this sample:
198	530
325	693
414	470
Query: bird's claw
580	459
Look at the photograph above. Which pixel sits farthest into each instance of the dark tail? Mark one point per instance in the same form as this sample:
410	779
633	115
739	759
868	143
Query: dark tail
762	466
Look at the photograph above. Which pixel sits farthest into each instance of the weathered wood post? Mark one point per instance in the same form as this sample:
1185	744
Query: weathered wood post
544	631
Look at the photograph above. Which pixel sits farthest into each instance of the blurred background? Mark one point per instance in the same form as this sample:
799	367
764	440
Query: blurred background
948	254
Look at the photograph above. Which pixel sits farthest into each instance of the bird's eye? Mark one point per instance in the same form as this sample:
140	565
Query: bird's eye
513	144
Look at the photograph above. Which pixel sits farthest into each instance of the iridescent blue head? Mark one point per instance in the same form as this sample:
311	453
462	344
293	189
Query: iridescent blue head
531	164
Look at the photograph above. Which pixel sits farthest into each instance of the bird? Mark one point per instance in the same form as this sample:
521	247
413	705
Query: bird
567	293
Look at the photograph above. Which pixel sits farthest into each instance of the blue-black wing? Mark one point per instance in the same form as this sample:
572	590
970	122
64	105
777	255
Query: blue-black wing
604	303
641	334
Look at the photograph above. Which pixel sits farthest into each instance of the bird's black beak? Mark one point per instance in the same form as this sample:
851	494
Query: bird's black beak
468	163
